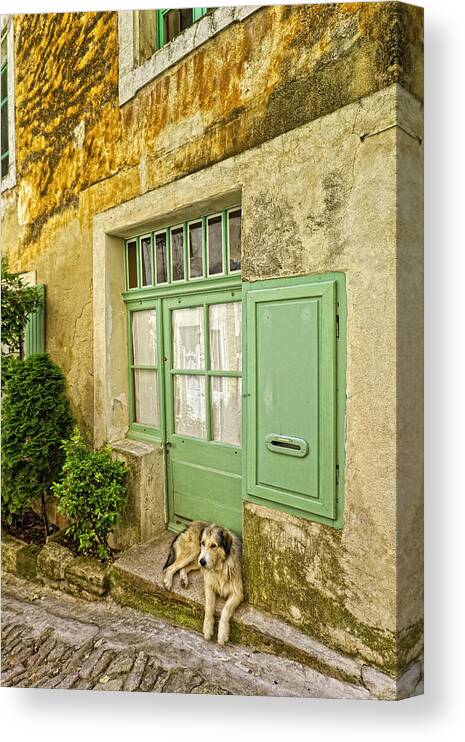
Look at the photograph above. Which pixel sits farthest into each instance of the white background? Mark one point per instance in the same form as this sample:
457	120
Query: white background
58	715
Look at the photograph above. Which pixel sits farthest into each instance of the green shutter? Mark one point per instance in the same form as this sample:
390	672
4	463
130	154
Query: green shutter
293	404
34	333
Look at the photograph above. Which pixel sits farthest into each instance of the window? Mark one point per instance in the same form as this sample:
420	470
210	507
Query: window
208	247
4	104
296	395
170	22
151	41
7	113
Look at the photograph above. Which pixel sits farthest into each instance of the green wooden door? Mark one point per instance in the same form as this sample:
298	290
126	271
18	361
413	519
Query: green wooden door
203	393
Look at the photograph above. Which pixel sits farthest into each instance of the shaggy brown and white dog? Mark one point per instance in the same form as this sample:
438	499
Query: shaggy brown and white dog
217	552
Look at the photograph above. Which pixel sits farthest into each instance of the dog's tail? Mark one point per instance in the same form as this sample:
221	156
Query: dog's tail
171	556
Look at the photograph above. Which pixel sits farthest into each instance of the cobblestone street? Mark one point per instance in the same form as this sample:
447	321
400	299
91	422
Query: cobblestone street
52	640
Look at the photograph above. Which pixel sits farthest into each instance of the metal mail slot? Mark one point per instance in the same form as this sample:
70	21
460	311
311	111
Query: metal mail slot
286	444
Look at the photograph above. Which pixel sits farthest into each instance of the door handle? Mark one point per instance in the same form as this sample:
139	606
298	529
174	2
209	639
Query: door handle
166	446
286	444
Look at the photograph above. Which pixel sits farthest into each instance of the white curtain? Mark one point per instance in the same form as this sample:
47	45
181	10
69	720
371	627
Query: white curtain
144	349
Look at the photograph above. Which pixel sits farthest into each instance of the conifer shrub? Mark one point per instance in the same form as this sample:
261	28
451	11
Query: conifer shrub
91	495
35	418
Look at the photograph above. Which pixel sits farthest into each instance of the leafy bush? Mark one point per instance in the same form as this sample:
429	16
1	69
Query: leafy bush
35	419
91	495
18	301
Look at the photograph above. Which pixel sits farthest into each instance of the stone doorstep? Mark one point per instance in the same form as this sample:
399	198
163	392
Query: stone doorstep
137	580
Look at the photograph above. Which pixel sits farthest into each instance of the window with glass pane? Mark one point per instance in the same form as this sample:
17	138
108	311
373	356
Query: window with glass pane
161	257
144	367
188	338
194	233
177	254
226	409
226	336
189	406
173	21
146	260
132	264
234	240
215	245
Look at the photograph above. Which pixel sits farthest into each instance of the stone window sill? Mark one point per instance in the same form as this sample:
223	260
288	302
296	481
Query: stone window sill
132	78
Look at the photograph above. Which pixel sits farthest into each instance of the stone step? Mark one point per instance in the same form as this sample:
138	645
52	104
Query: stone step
137	580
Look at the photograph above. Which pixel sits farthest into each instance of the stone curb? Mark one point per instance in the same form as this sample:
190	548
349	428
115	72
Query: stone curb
55	565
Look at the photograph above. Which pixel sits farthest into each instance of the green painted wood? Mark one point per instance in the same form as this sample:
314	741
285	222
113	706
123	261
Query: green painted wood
294	386
204	477
34	333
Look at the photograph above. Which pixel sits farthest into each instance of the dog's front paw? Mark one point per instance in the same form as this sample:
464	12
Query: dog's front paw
184	580
167	581
223	636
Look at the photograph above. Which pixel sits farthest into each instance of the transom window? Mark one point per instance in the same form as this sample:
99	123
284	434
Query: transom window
207	247
5	154
170	22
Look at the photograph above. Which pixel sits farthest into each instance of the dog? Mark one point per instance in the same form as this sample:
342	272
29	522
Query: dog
217	552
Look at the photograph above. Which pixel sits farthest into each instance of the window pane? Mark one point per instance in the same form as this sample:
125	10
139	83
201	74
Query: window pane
195	250
188	338
146	257
226	404
226	337
234	225
4	82
144	338
146	397
215	245
177	253
185	18
132	265
162	265
189	406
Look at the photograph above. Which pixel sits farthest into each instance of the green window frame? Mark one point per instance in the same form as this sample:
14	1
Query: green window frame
5	152
318	494
141	430
161	19
142	257
141	260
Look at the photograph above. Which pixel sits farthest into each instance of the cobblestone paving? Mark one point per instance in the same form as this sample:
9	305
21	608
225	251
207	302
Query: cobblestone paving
52	640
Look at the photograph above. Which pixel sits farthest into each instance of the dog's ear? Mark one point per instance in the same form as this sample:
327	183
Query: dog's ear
201	534
226	542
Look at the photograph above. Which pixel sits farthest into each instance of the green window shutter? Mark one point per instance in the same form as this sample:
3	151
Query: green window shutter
34	333
292	396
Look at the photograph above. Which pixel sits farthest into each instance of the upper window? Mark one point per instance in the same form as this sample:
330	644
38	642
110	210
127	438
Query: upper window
207	247
170	22
151	41
4	104
7	109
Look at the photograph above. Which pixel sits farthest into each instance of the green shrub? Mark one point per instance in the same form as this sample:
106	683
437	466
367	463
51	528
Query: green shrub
91	495
18	301
35	419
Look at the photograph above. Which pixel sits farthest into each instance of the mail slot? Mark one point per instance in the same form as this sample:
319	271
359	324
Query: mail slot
287	445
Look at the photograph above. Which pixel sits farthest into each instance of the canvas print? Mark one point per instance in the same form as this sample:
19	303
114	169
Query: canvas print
212	473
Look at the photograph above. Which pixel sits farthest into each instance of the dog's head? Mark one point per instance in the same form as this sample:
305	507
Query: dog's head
215	546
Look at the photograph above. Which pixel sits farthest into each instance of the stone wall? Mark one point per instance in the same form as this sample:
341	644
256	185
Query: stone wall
79	152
